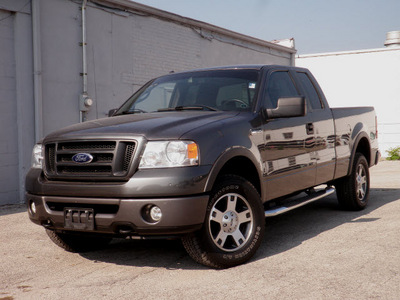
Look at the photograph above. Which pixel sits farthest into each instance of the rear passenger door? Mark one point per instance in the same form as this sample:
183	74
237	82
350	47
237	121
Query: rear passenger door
322	127
287	154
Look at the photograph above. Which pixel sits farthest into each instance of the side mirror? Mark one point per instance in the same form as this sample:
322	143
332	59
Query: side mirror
111	112
288	107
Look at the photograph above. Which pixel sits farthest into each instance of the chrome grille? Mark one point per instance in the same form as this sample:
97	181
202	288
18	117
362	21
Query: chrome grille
110	145
110	159
129	150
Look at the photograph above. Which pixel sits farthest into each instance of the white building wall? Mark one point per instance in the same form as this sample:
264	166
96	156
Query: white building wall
8	110
124	51
16	101
362	78
125	48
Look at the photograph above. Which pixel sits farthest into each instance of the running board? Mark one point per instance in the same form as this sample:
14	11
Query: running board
299	202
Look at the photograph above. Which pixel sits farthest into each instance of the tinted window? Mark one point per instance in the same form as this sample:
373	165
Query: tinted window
310	92
231	90
280	85
236	95
157	97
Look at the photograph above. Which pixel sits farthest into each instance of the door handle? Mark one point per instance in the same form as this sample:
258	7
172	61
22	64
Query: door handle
310	128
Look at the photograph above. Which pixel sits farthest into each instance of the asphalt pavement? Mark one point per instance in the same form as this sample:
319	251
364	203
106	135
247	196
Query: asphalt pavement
315	252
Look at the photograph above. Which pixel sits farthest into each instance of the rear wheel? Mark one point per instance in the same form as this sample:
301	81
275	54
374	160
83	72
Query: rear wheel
353	190
74	242
233	228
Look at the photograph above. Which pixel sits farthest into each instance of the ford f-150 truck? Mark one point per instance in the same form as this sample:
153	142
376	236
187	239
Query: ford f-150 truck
206	156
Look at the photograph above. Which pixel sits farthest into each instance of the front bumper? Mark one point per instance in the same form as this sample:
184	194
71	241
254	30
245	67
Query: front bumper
151	183
123	216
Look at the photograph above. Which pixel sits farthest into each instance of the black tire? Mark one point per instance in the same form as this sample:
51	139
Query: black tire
353	190
233	228
73	242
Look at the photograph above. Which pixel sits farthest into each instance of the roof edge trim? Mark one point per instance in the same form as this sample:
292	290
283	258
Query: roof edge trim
350	52
125	4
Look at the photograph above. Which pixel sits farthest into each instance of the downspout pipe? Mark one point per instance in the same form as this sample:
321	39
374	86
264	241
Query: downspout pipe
84	59
37	70
84	101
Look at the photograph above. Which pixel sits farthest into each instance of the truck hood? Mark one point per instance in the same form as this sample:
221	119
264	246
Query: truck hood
153	126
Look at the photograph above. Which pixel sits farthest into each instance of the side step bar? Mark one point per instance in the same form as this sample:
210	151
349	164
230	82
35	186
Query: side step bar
299	202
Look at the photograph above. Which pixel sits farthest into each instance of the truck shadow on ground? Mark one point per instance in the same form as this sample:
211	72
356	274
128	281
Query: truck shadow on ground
282	233
292	229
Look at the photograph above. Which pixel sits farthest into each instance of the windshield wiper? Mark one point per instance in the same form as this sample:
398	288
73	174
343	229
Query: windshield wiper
133	111
193	107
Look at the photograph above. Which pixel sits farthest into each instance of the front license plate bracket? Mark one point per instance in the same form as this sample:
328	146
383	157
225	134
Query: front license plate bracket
79	218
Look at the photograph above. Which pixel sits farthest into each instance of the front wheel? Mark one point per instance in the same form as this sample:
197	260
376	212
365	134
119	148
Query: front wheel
353	190
233	228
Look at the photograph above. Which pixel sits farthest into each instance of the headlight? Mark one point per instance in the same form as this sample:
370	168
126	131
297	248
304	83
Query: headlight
37	156
168	154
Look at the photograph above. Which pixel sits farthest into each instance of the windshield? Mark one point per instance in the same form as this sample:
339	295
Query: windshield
228	90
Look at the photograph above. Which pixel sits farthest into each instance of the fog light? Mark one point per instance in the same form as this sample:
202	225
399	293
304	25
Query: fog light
155	213
33	207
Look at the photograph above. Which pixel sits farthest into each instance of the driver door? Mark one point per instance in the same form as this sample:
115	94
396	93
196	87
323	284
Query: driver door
288	164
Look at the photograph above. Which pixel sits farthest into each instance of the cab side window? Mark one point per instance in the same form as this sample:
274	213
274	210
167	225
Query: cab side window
279	85
309	90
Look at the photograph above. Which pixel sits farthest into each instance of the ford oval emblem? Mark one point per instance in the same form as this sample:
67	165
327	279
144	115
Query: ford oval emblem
82	158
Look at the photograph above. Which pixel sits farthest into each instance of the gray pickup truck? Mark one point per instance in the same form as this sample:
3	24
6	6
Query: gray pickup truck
206	156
